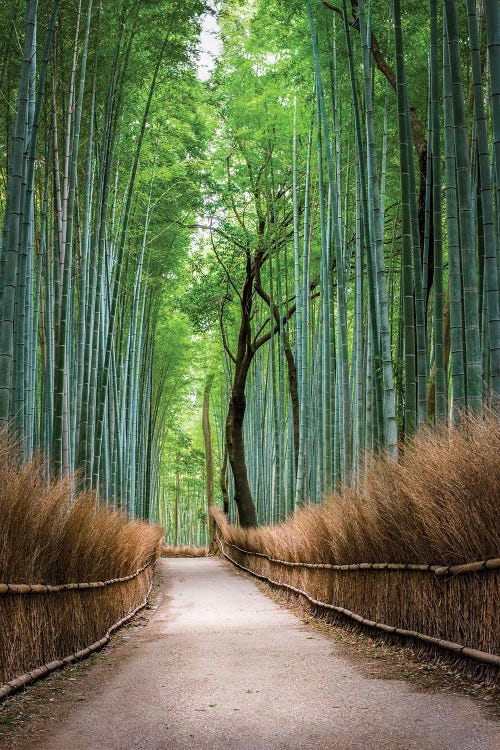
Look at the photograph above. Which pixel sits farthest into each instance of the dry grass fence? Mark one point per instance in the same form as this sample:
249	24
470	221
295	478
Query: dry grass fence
48	538
437	507
185	550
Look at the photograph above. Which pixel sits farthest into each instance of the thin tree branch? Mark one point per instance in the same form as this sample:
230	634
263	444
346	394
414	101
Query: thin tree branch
223	330
219	260
231	197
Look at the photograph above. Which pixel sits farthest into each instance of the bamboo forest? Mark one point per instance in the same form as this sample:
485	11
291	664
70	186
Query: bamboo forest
342	282
250	312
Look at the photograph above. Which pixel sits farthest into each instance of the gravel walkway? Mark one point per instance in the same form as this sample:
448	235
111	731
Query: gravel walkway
221	666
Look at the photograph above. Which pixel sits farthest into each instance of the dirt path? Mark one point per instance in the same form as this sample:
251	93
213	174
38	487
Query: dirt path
221	666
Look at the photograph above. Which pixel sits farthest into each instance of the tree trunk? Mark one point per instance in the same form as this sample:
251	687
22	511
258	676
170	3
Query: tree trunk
294	397
223	484
236	448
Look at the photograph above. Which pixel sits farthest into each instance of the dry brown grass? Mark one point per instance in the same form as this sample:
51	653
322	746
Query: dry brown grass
45	537
439	504
186	550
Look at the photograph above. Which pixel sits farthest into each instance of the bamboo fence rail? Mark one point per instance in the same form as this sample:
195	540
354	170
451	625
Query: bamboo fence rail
42	588
439	570
482	657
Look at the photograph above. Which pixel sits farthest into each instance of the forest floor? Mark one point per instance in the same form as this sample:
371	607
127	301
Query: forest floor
217	664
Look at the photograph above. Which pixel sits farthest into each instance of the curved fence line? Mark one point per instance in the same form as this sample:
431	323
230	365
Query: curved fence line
28	677
457	648
43	588
439	570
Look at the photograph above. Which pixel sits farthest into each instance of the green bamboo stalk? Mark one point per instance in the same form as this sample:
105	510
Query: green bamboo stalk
12	228
358	360
452	223
473	370
303	358
374	199
487	212
493	36
439	350
410	387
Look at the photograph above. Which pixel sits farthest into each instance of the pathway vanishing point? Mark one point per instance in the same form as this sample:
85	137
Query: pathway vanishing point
222	667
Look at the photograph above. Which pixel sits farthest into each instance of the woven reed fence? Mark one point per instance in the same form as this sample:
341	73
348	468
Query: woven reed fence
44	627
451	609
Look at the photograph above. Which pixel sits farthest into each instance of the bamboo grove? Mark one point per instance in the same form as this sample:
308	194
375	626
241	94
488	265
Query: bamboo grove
353	254
95	155
310	238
